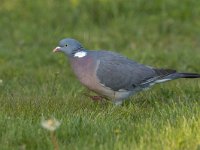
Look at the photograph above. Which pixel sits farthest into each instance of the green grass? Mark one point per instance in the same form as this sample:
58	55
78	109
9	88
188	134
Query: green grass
161	33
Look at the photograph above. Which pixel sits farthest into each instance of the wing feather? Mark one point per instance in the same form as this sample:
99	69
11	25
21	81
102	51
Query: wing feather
118	72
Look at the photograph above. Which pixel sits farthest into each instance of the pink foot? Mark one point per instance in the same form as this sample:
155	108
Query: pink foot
96	98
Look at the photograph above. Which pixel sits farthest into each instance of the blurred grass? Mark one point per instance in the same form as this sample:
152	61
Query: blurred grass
161	33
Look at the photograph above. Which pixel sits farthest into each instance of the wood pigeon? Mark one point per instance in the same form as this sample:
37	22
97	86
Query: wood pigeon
111	75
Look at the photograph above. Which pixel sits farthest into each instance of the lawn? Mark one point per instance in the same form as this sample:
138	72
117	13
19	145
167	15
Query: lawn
36	84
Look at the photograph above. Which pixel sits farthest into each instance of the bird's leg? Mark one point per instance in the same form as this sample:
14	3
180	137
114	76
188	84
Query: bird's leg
95	97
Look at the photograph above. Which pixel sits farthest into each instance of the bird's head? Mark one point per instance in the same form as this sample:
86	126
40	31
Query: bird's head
69	46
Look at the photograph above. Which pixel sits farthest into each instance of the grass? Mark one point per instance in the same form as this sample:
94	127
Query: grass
37	83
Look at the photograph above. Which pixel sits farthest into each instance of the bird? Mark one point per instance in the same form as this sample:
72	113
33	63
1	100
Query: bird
112	75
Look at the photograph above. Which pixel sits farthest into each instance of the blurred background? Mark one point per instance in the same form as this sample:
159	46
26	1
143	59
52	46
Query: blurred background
34	81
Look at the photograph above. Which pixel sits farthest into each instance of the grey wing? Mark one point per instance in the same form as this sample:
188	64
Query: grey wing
117	72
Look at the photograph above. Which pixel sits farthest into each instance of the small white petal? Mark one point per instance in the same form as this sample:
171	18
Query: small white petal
50	124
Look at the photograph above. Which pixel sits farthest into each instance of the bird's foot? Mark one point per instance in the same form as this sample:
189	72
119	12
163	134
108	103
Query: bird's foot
95	97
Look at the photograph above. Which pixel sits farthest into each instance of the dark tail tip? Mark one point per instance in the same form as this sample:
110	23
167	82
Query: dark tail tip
189	75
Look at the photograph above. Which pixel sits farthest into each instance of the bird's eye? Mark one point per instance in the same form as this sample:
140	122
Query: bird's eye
66	45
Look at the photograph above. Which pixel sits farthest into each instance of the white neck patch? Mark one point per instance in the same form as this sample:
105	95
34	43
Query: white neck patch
80	54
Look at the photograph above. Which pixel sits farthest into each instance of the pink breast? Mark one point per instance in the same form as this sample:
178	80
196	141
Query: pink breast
84	69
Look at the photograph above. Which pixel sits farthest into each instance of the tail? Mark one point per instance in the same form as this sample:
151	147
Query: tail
188	75
168	74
